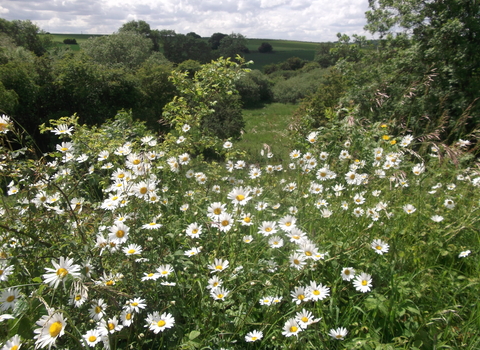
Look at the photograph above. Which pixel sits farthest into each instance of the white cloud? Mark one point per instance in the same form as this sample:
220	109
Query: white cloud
308	20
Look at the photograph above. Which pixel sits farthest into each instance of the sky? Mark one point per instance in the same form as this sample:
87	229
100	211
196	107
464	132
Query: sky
304	20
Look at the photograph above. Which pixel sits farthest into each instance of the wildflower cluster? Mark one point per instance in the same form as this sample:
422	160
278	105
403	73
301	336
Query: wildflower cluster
135	240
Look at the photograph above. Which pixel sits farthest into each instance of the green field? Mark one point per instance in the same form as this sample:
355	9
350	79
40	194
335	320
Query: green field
282	49
268	126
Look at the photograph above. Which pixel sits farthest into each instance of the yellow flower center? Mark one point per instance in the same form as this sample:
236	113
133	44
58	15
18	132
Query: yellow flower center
247	219
150	274
161	323
217	211
215	284
225	222
338	336
293	329
254	338
288	224
364	282
131	251
240	197
15	347
78	297
128	316
296	261
268	229
219	267
316	292
64	149
164	272
11	298
194	231
323	174
378	247
347	272
134	304
55	329
301	297
43	199
111	326
121	176
307	253
136	162
61	272
304	319
120	233
92	338
296	237
98	309
219	296
143	190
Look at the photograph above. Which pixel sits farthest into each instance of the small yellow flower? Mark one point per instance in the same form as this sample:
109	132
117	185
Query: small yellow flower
383	125
393	142
386	137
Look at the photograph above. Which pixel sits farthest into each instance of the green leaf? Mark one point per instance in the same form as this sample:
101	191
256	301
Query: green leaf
193	335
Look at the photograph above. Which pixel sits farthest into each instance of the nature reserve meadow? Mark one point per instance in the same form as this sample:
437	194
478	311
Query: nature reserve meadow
158	192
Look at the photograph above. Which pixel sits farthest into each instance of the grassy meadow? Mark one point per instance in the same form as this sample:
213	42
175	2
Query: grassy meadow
348	237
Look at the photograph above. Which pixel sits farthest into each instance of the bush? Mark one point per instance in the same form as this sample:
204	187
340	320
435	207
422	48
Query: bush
254	88
265	48
70	41
298	87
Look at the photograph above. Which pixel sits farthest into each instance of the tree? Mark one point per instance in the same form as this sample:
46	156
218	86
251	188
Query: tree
27	35
265	48
143	28
428	63
128	49
233	45
215	40
179	47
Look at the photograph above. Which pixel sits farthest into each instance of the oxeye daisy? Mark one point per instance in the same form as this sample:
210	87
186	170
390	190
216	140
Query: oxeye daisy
380	246
464	254
63	269
266	301
291	327
150	276
338	334
219	293
247	239
363	282
218	265
92	337
317	291
299	295
119	233
158	323
239	196
51	328
215	210
5	271
253	336
449	204
152	225
225	222
348	273
136	304
275	242
409	209
132	249
192	252
127	317
297	261
305	318
214	282
194	230
14	343
165	270
97	311
267	228
9	298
